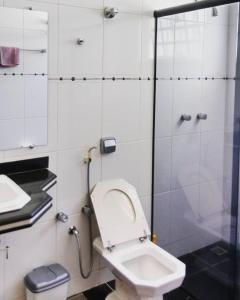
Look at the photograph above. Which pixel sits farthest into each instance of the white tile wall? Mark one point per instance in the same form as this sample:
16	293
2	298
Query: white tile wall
11	133
163	175
80	23
184	212
185	160
137	156
165	47
121	110
79	113
72	192
148	37
122	45
215	38
212	155
211	198
188	48
164	92
162	213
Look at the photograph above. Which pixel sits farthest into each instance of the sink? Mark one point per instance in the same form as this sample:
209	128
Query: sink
12	197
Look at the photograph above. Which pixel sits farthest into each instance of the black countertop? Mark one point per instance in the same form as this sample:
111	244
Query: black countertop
35	179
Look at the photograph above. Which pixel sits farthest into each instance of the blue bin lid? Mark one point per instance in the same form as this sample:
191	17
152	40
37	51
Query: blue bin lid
46	277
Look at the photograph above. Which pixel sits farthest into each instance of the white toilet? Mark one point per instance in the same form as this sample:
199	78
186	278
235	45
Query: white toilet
142	269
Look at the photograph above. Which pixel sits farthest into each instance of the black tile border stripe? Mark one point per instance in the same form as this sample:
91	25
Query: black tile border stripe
121	78
141	78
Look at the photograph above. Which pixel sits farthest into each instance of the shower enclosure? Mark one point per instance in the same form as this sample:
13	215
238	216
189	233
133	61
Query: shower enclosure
196	145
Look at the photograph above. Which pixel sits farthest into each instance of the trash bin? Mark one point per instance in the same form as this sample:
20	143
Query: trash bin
47	283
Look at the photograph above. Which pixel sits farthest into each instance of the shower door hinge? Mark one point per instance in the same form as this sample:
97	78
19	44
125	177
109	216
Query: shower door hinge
110	247
144	237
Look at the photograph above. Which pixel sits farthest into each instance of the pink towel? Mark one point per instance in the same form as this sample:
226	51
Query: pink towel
9	56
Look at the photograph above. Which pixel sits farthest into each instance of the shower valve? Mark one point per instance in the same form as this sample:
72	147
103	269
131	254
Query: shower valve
186	118
202	116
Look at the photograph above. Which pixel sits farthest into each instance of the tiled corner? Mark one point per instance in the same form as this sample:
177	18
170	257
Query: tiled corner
211	199
162	215
184	212
212	155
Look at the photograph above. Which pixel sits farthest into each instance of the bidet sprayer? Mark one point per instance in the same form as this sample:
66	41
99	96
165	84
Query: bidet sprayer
73	230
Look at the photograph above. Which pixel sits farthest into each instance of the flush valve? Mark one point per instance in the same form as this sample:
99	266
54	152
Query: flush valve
186	117
202	116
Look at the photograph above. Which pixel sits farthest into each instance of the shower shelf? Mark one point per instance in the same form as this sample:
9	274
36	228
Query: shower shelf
36	180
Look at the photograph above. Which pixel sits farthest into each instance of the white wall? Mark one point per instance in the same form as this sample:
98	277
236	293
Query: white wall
192	164
80	113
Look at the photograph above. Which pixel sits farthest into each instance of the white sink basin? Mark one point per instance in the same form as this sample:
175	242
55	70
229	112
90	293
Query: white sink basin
12	197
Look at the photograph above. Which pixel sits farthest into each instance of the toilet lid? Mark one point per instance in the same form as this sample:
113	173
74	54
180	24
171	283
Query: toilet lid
119	212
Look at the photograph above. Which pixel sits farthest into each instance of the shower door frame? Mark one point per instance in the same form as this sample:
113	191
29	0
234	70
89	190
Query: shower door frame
235	205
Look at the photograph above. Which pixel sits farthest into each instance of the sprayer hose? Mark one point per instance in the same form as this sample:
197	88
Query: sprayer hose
76	234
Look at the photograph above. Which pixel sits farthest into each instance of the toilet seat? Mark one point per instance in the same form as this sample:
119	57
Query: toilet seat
119	212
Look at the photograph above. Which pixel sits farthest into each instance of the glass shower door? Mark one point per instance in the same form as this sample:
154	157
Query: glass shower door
196	160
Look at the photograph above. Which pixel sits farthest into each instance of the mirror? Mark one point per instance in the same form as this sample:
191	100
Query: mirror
23	78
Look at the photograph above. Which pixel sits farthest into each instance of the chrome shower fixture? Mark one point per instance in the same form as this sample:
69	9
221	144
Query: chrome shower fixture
214	12
110	12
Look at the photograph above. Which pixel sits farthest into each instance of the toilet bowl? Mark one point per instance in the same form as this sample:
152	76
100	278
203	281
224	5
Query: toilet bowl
142	269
